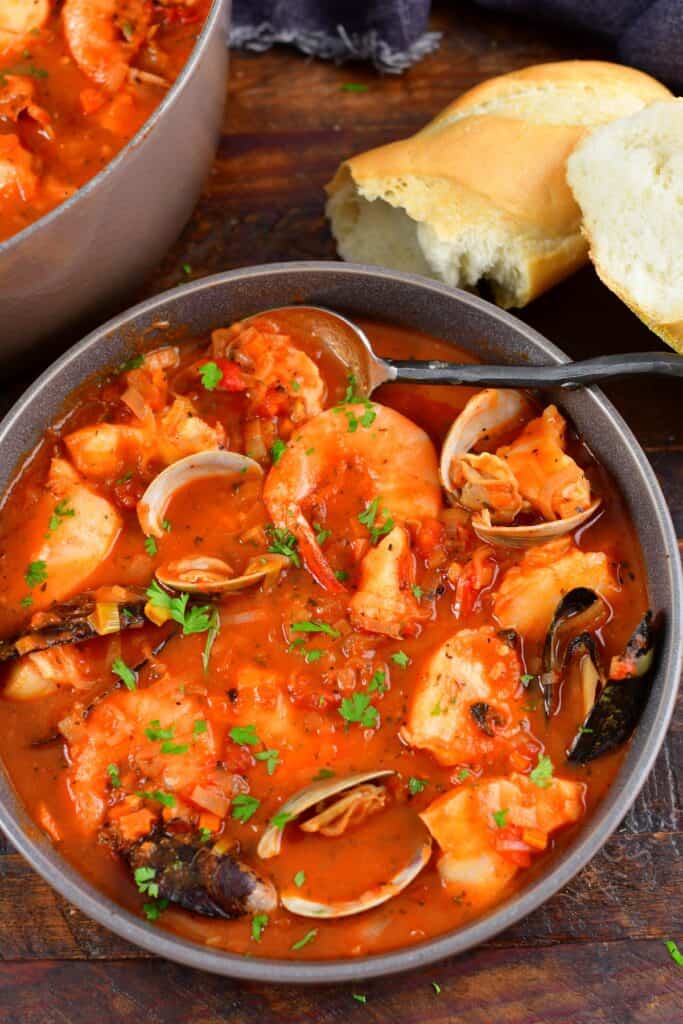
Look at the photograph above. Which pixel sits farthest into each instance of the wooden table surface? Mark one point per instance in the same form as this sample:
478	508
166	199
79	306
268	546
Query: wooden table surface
595	953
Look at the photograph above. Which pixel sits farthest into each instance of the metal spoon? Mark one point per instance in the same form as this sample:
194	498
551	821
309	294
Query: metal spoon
352	346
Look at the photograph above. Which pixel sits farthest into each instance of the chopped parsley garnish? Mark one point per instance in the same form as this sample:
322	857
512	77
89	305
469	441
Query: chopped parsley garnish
196	619
418	592
377	683
27	601
166	525
199	727
214	630
500	817
357	708
280	819
151	546
144	879
323	773
369	517
113	773
542	774
359	997
312	656
583	729
463	774
299	879
353	397
60	512
36	573
204	834
124	479
416	785
341	575
308	937
321	535
211	375
258	923
244	807
271	757
128	31
436	987
167	799
156	733
401	658
134	363
354	87
125	674
526	679
674	952
168	747
277	450
154	910
186	269
437	709
315	627
282	542
245	735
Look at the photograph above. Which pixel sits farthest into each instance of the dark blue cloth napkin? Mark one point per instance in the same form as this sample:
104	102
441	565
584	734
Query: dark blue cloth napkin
393	33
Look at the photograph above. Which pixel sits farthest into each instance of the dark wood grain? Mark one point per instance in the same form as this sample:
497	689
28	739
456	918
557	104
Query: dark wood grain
594	954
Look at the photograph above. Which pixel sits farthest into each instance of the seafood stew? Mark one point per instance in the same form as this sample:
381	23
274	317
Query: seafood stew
78	79
265	684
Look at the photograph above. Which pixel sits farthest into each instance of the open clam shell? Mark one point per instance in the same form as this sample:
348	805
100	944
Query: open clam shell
297	904
202	575
302	801
154	502
529	536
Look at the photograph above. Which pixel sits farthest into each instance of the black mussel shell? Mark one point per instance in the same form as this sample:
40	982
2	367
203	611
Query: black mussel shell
575	603
195	877
485	717
619	702
69	623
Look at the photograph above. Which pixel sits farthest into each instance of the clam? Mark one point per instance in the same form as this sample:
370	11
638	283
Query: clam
580	608
489	415
366	901
308	798
617	702
95	613
203	880
154	502
202	575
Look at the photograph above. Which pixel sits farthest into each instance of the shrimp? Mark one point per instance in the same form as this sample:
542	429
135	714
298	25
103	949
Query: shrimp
83	539
130	730
549	479
395	457
18	20
530	592
18	97
486	482
384	601
463	705
19	178
487	831
285	381
105	35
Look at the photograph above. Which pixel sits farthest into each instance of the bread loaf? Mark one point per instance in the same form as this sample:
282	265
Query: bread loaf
627	177
480	193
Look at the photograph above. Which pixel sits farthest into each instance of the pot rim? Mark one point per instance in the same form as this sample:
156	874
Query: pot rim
214	15
47	861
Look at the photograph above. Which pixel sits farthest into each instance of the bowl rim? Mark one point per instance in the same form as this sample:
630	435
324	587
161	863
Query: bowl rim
73	885
63	209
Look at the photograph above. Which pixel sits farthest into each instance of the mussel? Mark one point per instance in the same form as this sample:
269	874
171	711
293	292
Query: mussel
579	608
96	613
154	502
357	796
490	489
618	700
202	879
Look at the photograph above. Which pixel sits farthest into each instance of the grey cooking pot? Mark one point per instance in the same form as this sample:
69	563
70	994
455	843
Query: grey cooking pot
94	248
475	325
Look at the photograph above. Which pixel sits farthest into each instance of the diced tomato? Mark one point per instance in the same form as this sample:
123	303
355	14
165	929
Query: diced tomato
127	492
238	759
233	378
508	843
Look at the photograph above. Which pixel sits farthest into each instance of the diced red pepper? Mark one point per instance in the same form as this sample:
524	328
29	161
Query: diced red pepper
233	378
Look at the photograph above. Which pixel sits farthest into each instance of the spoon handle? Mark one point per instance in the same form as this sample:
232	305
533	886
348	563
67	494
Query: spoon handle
567	375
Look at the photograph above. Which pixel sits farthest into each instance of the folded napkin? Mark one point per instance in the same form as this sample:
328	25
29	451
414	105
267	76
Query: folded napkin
645	33
390	33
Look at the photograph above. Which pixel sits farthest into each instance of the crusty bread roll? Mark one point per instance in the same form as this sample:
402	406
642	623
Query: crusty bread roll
480	193
627	177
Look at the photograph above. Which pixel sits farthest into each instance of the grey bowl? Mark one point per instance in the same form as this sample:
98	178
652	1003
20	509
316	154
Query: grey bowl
475	325
89	252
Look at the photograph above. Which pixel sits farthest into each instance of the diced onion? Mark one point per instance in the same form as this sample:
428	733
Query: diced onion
105	618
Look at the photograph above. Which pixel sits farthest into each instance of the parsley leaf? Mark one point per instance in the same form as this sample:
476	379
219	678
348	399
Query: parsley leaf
321	535
27	601
436	987
418	592
167	799
324	773
315	627
245	735
244	807
674	952
280	819
154	910
36	572
144	879
299	879
500	817
199	727
354	87
357	708
463	774
282	542
277	450
258	923
377	683
416	785
134	363
542	774
308	937
211	375
60	512
401	658
151	546
167	747
113	773
359	997
125	674
156	733
193	620
369	517
271	757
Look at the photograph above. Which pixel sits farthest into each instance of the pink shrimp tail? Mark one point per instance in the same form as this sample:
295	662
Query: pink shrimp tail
316	563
